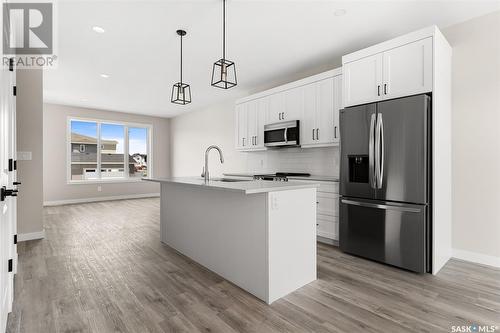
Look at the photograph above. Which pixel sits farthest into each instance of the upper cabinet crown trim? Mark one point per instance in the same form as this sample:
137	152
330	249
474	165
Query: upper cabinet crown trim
291	85
392	43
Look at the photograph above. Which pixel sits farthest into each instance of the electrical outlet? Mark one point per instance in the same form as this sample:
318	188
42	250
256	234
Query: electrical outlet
99	188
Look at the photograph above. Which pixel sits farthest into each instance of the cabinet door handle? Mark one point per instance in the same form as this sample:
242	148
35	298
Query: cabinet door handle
243	142
385	88
313	133
283	115
335	132
378	90
256	140
317	133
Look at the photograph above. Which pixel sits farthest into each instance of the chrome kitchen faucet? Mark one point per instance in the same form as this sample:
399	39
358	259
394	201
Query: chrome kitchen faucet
205	174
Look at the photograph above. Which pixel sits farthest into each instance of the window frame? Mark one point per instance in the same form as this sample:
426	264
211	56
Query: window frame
126	126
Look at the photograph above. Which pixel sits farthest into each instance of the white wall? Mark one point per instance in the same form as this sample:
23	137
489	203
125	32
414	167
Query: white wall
193	132
57	189
29	117
476	137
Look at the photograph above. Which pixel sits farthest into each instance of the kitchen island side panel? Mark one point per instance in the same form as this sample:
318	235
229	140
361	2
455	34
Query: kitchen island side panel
292	241
222	230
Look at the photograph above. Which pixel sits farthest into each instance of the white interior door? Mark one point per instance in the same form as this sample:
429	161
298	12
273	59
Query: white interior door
12	180
6	236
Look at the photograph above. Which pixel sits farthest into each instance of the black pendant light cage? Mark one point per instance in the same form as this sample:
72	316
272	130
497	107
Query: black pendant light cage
224	71
181	92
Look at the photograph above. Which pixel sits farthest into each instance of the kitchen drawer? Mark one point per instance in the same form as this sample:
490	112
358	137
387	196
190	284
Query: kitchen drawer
329	187
327	227
327	204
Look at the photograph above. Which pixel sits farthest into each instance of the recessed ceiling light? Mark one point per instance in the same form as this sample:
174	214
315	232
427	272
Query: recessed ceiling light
98	29
105	76
339	12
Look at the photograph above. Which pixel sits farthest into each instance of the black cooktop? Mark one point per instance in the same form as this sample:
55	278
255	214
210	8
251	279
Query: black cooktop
292	174
286	174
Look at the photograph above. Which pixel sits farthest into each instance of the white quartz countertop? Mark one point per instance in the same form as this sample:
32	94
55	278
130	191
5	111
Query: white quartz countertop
246	187
311	177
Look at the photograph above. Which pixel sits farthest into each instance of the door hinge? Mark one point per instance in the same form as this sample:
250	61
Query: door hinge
11	64
14	90
15	239
10	265
11	164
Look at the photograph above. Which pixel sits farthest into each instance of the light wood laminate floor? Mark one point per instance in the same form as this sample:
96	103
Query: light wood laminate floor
102	268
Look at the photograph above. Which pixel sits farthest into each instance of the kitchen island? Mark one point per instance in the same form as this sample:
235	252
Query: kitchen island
259	235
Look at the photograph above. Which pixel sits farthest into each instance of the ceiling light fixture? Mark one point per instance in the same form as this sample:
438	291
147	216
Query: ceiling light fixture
224	71
340	12
97	29
181	92
105	76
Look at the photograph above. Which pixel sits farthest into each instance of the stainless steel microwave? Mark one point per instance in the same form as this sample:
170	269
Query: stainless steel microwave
284	134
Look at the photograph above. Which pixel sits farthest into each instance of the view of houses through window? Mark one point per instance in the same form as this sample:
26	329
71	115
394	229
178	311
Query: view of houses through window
100	150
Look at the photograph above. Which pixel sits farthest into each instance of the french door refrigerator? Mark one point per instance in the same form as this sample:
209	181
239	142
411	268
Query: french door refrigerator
385	182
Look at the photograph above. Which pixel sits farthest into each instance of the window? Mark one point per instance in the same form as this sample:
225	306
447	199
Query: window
106	151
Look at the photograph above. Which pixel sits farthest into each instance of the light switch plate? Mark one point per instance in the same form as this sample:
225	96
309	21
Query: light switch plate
24	156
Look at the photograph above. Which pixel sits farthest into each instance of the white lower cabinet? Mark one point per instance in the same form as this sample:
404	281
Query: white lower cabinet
327	227
327	209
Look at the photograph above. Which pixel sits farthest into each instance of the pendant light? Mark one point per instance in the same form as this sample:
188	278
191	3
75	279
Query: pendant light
181	92
224	71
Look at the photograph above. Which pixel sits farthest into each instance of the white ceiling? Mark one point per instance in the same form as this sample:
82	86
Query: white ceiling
271	42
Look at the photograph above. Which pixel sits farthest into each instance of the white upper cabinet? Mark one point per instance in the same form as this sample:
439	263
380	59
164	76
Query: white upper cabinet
314	101
337	100
250	118
320	120
325	111
363	80
276	108
294	101
408	69
400	71
308	123
241	126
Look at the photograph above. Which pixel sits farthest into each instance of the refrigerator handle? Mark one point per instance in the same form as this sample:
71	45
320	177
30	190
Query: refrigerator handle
380	206
379	151
371	152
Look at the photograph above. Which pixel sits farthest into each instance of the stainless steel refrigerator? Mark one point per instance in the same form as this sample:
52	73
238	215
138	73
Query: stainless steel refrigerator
385	182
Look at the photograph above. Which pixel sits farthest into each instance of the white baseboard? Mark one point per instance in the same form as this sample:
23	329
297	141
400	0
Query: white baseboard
97	199
31	236
475	257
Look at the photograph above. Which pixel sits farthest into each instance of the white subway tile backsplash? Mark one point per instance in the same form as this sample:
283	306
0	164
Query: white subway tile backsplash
316	161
